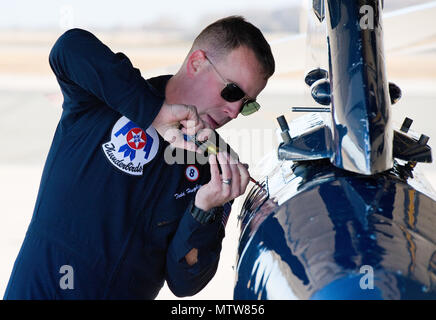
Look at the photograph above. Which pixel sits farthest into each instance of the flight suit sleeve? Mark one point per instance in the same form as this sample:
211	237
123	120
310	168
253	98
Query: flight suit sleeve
89	72
186	280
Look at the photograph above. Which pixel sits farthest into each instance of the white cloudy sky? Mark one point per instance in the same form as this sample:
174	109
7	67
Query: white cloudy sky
108	13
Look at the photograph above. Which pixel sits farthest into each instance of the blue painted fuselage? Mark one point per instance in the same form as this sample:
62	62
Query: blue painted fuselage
344	214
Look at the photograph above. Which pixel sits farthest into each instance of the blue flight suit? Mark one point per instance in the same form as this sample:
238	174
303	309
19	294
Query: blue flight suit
109	206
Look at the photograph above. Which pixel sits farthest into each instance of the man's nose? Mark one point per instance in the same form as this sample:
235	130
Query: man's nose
232	109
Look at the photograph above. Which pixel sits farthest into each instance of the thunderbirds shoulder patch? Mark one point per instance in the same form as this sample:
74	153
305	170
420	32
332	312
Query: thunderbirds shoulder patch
130	147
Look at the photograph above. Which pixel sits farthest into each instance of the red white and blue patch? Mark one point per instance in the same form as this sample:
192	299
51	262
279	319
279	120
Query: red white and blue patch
192	173
130	147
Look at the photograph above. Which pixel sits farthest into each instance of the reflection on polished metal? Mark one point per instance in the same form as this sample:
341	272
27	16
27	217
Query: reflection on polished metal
358	136
357	89
312	227
410	149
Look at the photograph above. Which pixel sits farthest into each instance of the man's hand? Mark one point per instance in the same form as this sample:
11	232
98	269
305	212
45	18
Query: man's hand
170	117
217	192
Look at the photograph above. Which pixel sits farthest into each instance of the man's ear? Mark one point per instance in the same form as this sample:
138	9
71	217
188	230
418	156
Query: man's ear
196	62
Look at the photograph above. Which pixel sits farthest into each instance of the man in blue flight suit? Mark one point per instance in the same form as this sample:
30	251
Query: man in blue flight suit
113	219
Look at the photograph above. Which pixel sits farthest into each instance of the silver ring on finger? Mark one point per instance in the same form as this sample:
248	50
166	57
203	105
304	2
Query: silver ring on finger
227	181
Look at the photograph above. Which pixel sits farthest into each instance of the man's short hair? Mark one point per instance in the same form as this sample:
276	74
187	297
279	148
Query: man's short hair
229	33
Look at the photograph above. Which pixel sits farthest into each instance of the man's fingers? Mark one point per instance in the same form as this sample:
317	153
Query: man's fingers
224	186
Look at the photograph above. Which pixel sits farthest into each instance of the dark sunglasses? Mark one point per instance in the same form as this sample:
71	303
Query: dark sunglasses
232	92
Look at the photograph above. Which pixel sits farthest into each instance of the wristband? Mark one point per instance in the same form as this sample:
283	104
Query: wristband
204	217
